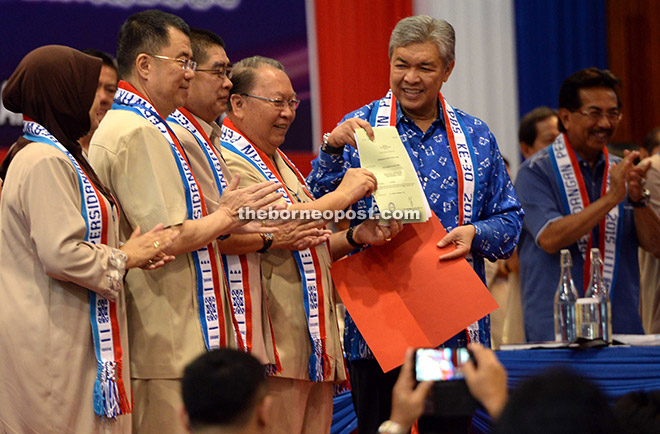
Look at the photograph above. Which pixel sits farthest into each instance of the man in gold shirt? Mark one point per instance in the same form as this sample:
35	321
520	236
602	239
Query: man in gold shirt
178	311
297	283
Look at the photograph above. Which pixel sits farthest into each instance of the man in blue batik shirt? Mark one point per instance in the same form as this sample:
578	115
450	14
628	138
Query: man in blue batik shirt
484	222
578	196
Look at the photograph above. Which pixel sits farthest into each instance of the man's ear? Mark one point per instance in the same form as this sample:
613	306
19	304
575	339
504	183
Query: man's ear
564	115
263	411
143	65
184	418
448	70
526	150
237	105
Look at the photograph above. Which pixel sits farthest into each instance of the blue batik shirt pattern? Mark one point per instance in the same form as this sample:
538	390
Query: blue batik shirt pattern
497	212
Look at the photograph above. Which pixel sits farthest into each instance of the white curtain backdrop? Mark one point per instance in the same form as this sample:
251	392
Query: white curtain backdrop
484	80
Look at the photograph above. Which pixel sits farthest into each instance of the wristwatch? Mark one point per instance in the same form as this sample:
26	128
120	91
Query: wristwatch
328	149
268	241
351	241
390	427
644	201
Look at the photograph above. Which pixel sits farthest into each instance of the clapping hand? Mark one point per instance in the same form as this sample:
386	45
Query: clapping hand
148	251
255	197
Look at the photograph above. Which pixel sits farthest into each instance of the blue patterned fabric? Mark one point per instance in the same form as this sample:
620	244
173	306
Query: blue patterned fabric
497	212
616	370
538	188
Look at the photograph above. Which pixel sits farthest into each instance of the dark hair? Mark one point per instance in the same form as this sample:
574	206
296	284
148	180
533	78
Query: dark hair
200	41
557	401
527	130
107	59
652	140
56	86
243	74
569	93
639	412
145	32
222	387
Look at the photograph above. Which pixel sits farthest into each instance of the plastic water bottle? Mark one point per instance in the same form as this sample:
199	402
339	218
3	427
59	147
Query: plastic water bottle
565	298
598	292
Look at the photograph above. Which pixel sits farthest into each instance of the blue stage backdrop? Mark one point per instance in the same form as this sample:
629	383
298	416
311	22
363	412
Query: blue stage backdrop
249	27
554	39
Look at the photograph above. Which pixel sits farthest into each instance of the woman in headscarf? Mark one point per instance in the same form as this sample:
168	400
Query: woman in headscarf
64	356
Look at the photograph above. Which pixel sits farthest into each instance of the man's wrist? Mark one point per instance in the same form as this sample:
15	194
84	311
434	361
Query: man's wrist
643	201
351	240
267	238
328	148
391	427
495	405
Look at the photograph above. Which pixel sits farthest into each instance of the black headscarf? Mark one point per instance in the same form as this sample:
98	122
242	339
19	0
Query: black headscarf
55	86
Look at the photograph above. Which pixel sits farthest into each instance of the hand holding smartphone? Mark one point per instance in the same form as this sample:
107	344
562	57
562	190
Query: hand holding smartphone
450	396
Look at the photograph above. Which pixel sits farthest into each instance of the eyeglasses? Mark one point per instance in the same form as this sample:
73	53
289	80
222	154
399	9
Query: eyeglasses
277	102
186	64
595	116
221	73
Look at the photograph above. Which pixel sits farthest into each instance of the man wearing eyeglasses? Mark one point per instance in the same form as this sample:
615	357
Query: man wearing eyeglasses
296	279
179	311
195	126
576	195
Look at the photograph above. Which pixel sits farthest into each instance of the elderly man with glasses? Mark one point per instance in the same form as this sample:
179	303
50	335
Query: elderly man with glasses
296	278
576	195
179	311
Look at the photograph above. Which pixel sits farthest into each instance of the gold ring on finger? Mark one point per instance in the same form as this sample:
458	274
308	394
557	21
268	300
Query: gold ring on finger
156	244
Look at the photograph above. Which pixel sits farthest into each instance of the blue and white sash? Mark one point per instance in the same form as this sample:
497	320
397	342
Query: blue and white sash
110	399
575	199
208	279
307	260
463	156
236	275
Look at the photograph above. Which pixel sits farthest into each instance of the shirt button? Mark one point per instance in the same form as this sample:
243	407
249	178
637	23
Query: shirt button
426	179
423	147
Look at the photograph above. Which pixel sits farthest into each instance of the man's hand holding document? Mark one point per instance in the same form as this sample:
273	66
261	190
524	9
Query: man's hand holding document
399	294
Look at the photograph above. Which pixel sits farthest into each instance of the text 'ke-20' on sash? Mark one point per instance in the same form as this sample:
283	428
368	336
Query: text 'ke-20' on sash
307	260
575	199
110	398
463	157
209	295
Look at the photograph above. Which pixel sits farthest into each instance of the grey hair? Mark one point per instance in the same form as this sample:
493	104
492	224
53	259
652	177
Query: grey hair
423	28
243	74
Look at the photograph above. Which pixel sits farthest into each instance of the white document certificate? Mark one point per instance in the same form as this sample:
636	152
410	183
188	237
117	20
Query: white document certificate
399	191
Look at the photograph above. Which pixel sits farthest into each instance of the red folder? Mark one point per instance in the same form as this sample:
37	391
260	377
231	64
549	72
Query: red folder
401	296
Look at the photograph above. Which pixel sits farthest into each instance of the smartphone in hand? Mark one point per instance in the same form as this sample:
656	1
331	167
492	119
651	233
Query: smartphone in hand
440	364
